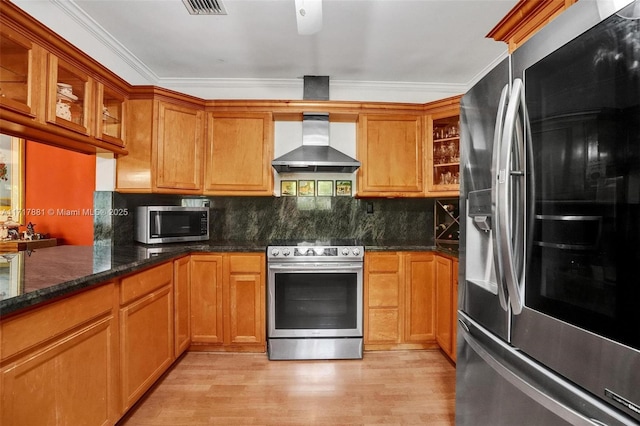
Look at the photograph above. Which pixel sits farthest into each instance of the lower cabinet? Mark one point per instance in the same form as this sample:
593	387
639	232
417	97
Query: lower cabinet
399	301
228	302
146	330
51	368
182	304
446	304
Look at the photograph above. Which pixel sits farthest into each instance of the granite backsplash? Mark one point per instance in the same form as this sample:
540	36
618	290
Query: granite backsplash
372	221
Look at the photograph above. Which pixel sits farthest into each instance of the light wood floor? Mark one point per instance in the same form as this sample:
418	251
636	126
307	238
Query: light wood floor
390	388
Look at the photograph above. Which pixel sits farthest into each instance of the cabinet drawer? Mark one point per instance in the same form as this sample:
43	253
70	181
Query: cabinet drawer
42	324
246	263
383	263
144	282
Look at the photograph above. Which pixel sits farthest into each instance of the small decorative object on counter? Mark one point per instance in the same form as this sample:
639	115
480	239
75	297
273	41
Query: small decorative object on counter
9	230
30	233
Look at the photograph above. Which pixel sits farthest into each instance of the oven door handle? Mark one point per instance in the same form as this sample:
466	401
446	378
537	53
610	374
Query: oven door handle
316	267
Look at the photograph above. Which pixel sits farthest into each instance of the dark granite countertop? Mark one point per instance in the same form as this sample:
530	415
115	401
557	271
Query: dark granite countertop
46	274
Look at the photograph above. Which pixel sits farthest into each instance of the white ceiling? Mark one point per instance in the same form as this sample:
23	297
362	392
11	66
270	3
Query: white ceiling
415	46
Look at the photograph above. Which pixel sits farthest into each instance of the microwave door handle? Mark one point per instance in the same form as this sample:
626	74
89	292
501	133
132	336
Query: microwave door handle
158	223
509	199
497	140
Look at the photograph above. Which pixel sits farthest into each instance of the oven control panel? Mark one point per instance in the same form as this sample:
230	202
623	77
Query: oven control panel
325	252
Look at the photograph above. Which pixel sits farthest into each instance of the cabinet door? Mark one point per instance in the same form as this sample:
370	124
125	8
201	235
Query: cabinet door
383	293
391	149
182	302
244	299
146	343
70	382
239	154
443	152
22	73
454	312
70	97
419	299
58	354
110	115
178	150
444	303
206	299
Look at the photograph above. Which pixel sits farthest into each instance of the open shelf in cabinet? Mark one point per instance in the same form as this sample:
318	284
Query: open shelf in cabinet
447	224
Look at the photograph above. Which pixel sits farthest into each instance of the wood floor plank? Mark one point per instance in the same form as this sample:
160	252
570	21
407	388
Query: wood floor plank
384	388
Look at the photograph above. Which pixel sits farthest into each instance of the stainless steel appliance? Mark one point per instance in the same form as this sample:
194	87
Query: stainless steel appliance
549	309
171	224
314	300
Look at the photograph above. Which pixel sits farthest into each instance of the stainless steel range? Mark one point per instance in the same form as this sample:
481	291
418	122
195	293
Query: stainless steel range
314	300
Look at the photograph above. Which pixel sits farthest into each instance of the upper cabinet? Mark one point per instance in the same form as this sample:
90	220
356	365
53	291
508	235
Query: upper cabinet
239	153
391	150
110	104
21	69
178	149
443	148
51	92
165	140
525	19
69	96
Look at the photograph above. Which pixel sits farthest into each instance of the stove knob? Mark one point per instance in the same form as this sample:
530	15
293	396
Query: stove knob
286	252
345	251
275	252
356	251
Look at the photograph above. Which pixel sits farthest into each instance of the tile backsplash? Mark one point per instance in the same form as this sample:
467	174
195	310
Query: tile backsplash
264	219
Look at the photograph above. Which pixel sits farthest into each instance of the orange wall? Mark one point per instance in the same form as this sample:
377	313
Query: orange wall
58	181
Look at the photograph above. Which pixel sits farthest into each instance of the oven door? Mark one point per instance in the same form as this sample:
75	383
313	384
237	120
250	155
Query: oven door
312	300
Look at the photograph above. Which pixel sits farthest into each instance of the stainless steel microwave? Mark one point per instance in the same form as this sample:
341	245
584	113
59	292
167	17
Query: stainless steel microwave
170	224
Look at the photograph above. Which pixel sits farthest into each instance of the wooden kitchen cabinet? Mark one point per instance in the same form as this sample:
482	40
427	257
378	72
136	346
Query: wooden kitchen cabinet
447	304
49	366
228	302
73	108
239	153
206	299
383	296
443	147
146	330
22	73
177	157
391	149
110	114
454	312
399	300
182	304
419	297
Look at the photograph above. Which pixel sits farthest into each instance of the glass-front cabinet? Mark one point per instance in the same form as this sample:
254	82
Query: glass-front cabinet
110	113
17	72
444	153
69	96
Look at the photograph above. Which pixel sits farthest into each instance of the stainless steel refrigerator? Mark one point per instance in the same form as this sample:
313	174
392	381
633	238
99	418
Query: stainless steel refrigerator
549	296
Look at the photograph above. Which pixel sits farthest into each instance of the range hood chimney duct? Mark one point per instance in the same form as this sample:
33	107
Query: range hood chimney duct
315	154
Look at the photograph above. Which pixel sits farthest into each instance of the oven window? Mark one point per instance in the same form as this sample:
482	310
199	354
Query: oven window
584	106
316	301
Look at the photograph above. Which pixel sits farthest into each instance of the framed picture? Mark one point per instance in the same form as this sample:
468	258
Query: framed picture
288	188
325	188
306	188
343	188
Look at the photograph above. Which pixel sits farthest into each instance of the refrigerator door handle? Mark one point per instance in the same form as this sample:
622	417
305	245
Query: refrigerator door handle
497	140
509	198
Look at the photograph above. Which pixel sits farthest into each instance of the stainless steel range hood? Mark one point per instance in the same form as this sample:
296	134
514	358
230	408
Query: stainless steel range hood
315	154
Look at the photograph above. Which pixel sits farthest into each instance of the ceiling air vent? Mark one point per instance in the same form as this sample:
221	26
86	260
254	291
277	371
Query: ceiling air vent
205	7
